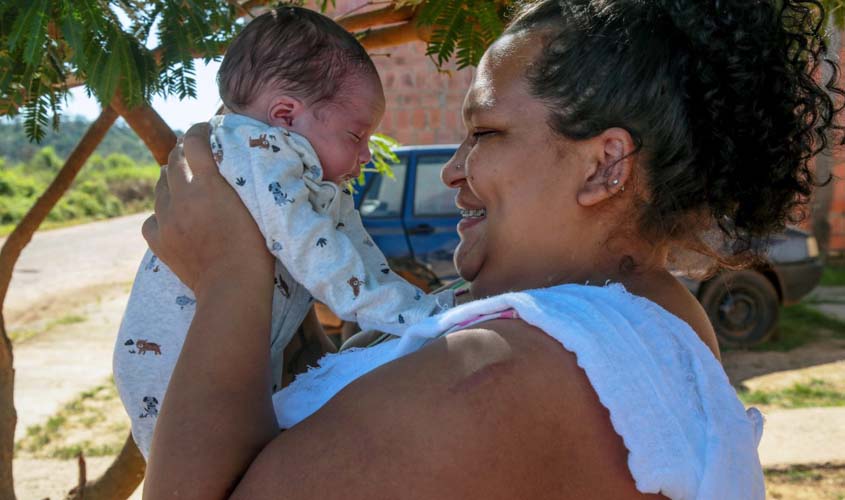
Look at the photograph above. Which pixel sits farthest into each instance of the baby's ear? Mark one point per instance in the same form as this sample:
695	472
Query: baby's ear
612	159
283	110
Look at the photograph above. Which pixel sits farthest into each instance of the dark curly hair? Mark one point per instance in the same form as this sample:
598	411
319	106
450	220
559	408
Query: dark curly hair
719	95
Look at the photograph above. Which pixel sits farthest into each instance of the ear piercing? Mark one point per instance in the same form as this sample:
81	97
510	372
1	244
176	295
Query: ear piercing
459	166
615	182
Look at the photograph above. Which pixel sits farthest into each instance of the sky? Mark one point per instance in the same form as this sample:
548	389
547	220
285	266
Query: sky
179	115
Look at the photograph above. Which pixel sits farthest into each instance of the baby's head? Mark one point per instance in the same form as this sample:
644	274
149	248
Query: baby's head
297	69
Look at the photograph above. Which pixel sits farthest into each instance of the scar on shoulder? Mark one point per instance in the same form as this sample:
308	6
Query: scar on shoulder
488	373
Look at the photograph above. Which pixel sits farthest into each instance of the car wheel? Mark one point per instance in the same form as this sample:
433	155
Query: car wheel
743	307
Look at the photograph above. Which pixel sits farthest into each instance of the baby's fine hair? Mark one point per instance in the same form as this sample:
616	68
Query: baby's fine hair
294	49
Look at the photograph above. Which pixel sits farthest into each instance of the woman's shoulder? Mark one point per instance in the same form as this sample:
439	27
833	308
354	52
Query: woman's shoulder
497	411
645	365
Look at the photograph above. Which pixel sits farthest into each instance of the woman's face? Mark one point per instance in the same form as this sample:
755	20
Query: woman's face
517	181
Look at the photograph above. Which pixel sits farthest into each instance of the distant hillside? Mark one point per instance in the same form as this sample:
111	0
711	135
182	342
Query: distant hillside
16	148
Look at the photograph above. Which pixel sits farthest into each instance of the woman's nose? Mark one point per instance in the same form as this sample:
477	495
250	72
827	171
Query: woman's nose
453	172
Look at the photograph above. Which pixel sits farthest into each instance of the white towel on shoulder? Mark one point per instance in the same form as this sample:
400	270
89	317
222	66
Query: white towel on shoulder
688	435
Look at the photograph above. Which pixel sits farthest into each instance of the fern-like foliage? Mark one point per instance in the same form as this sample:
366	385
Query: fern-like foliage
43	43
462	29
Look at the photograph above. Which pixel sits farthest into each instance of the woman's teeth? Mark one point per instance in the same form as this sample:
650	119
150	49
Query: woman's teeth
480	212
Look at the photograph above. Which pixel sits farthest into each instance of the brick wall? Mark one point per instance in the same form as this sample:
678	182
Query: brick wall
423	105
836	217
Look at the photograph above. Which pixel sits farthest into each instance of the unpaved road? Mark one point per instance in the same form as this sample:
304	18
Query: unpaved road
82	272
67	264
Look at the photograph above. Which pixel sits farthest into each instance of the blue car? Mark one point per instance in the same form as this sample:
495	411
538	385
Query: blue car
413	219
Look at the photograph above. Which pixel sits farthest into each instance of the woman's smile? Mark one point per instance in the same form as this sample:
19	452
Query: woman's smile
472	217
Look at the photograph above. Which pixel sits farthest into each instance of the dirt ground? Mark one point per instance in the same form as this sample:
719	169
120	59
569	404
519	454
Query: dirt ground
821	482
824	358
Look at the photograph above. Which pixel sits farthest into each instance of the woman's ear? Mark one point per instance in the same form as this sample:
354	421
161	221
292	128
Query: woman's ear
611	154
283	110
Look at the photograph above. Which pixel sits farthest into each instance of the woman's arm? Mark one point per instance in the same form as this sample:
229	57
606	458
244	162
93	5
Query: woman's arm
218	413
499	412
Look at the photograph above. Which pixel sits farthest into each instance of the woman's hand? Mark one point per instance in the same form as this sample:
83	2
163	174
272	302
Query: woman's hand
200	229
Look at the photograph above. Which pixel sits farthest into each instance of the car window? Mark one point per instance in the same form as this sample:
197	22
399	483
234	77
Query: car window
431	196
383	195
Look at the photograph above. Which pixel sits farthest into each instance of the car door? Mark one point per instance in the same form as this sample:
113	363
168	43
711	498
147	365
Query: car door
381	204
431	216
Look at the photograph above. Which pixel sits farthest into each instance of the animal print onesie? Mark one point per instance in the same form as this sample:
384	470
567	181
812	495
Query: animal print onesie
322	251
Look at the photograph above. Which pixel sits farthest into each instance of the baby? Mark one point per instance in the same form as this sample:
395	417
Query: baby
305	98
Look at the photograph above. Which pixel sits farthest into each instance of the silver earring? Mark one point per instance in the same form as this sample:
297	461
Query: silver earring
459	166
615	182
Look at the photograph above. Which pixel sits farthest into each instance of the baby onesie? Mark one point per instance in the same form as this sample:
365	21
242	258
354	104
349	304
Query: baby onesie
312	228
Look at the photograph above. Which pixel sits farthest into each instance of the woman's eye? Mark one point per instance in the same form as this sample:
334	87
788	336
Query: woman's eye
482	133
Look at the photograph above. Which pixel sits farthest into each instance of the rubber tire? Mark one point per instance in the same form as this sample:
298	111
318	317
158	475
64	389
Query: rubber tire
751	290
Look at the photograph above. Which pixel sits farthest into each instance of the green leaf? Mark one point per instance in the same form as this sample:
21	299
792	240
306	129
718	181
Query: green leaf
73	34
35	113
31	27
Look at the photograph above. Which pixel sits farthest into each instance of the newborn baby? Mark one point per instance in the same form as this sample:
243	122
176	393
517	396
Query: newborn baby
305	98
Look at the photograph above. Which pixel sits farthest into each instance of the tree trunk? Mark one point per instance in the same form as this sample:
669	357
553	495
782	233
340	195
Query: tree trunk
8	415
17	241
150	127
118	481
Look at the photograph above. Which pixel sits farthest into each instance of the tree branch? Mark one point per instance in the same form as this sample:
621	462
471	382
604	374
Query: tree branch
377	17
150	127
395	35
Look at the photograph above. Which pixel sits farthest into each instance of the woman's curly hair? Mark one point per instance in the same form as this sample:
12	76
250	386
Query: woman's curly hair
721	96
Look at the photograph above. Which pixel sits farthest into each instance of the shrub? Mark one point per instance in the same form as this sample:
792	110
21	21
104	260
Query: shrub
106	187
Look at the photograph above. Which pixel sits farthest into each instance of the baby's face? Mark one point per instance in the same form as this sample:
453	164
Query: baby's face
340	132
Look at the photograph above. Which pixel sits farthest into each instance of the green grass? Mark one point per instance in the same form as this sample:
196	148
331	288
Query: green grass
106	187
81	426
801	395
47	225
798	325
86	448
799	473
17	336
795	474
833	275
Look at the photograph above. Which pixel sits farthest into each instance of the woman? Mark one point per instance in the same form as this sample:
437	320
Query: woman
601	134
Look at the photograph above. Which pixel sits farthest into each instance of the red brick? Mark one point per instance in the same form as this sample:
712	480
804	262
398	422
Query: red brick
418	120
434	117
837	242
425	136
402	120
